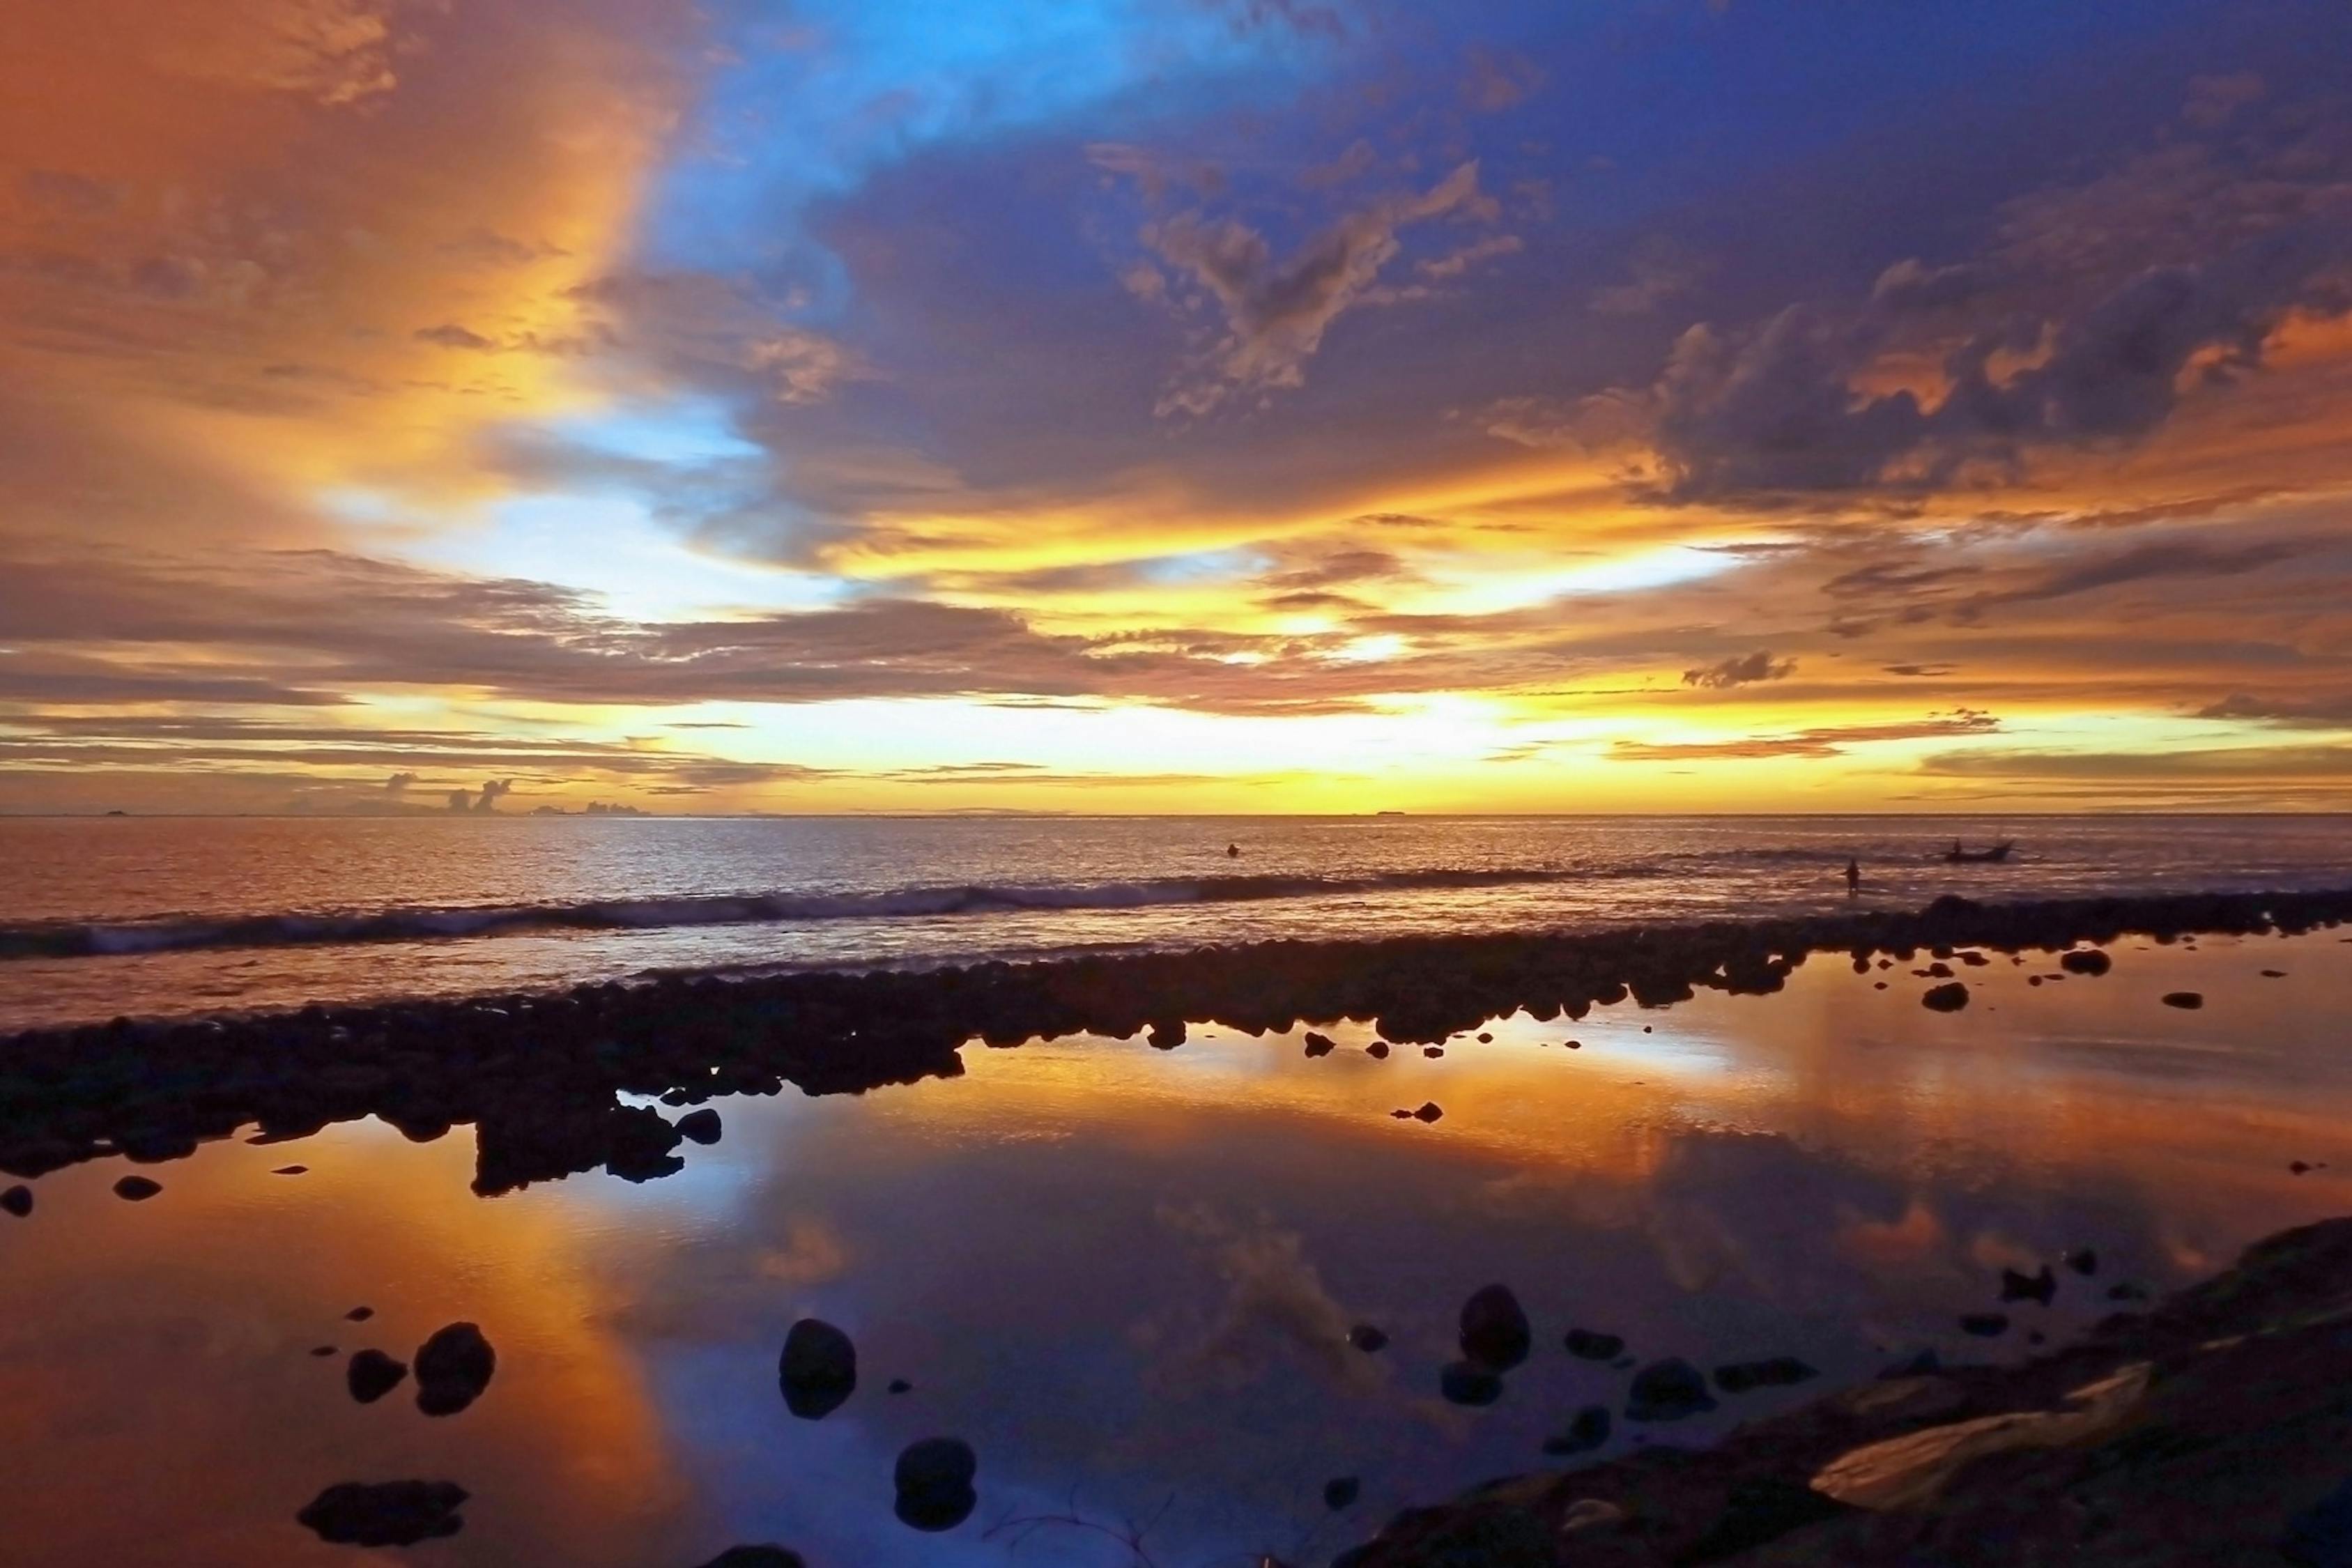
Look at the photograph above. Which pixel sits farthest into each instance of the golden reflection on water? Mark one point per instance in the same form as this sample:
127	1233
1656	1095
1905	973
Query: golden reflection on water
1099	1259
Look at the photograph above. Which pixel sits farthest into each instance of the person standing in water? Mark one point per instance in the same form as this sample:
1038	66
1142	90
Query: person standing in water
1852	878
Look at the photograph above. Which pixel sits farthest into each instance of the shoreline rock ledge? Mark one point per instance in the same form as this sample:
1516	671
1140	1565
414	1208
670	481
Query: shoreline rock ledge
2211	1429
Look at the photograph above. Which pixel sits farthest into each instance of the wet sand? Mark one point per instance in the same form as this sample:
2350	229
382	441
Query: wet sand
1126	1275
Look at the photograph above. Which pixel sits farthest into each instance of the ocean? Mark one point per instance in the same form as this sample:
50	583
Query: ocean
169	916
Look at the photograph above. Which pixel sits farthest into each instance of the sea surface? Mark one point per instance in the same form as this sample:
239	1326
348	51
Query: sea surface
163	916
1125	1276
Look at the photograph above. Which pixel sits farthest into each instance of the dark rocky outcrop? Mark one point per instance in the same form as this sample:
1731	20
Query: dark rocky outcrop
1773	1372
2086	961
453	1369
2041	1286
2210	1430
18	1200
385	1513
818	1369
1948	997
137	1189
699	1126
2187	1001
1341	1492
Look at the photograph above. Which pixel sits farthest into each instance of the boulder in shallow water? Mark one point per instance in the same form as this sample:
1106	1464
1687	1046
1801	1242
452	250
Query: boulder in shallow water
818	1370
1773	1372
1667	1390
1948	997
453	1368
1587	1432
1319	1045
1428	1111
1467	1383
2187	1001
934	1483
1585	1344
385	1513
2083	1260
1166	1035
1341	1492
17	1201
137	1189
2086	961
1494	1332
1367	1337
2042	1287
1378	1050
699	1126
372	1374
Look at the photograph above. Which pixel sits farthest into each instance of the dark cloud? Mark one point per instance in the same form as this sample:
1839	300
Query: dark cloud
1277	311
2332	711
1741	670
1827	741
450	335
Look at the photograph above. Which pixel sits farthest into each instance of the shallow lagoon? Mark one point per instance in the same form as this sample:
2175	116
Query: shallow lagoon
1124	1275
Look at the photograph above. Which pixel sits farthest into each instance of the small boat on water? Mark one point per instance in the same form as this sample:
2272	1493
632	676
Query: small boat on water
1956	855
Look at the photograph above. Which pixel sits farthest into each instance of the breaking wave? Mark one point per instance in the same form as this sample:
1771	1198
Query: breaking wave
65	939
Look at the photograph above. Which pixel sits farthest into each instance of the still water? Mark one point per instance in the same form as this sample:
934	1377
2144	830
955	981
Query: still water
166	916
1125	1276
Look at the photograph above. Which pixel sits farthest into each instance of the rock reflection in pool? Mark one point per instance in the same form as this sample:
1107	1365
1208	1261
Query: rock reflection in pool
1128	1277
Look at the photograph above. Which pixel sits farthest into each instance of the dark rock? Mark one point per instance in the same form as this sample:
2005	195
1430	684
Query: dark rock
1166	1034
2275	974
453	1368
1319	1045
1494	1332
1486	1039
1984	1325
1467	1383
1587	1432
17	1201
291	1171
372	1374
1378	1050
897	1386
2298	1167
1368	1338
1759	1509
322	1351
818	1370
756	1557
1585	1344
1936	971
1432	1051
934	1482
2042	1287
2187	1001
2083	1260
386	1513
1667	1391
1774	1371
359	1314
2321	1535
1948	997
2086	961
1428	1111
699	1126
137	1189
1401	1115
1341	1493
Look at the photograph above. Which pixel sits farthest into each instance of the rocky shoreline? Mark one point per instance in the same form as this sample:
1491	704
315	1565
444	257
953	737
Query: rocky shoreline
2212	1429
538	1076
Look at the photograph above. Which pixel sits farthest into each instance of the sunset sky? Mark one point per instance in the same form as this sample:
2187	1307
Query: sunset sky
1175	404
